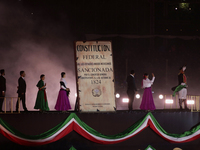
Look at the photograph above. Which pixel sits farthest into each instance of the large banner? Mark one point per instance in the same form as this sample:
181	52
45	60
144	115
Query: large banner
95	76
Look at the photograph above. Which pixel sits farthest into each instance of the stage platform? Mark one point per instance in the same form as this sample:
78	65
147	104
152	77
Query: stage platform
172	121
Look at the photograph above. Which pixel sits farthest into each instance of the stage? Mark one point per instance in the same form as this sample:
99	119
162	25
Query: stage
172	121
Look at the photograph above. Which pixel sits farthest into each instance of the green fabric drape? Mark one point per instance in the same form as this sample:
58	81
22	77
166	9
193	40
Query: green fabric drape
187	133
40	136
128	131
150	148
72	148
178	88
125	133
52	131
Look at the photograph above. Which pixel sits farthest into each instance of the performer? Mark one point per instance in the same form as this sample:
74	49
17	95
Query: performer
41	101
22	91
131	89
147	98
62	103
181	88
2	88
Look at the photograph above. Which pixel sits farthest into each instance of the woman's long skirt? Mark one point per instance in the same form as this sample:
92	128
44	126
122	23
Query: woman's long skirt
41	101
62	103
147	100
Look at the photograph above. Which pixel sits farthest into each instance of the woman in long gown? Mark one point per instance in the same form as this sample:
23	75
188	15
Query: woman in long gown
63	103
41	100
147	98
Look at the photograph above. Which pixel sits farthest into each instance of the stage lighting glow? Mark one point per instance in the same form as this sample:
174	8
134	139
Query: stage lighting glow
137	96
117	95
75	94
169	101
125	100
190	102
161	96
184	5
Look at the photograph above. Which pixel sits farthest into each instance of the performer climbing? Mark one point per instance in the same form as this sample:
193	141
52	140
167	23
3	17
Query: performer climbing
182	88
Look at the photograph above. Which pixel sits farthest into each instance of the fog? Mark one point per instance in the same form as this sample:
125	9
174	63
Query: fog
39	40
37	47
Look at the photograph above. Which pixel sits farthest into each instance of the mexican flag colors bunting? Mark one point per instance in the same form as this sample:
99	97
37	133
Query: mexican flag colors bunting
150	148
73	123
72	148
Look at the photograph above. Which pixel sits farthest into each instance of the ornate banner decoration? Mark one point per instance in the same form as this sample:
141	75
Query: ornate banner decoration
95	76
73	123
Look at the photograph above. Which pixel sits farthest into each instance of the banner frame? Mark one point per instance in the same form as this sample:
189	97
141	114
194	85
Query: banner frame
77	108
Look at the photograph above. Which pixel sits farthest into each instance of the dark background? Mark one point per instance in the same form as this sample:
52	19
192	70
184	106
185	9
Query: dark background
147	35
156	36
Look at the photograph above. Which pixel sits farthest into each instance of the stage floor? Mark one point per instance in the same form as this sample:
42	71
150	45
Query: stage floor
172	121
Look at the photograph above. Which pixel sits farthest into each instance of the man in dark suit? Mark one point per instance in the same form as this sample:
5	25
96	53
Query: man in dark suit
22	90
131	89
2	88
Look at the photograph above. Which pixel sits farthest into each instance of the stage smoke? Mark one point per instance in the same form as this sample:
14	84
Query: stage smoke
37	47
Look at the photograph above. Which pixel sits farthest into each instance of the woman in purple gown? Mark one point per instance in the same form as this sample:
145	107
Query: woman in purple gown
63	103
147	98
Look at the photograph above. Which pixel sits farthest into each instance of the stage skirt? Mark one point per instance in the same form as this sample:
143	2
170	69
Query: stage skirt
41	101
147	100
62	103
183	93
